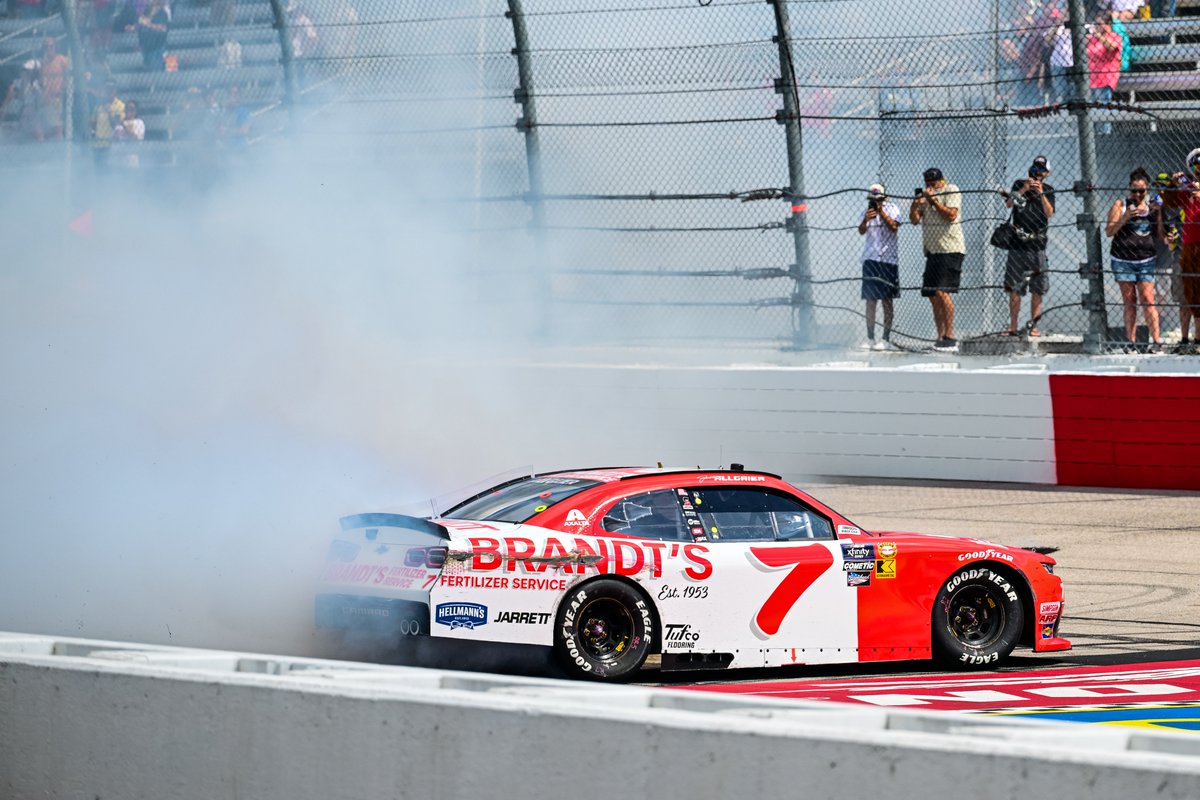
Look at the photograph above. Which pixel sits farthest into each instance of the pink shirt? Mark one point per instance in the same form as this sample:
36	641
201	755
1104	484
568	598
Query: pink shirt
1104	64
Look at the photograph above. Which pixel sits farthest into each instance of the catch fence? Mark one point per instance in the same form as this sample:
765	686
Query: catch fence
675	171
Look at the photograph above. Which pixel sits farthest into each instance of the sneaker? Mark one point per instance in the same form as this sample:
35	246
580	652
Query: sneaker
869	344
887	346
879	345
1155	348
946	344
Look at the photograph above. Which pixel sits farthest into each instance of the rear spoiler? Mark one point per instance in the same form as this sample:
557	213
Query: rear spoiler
381	520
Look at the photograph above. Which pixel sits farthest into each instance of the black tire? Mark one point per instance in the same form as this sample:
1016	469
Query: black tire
604	630
977	618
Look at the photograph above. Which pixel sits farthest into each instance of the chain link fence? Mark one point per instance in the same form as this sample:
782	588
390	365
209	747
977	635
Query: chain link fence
661	170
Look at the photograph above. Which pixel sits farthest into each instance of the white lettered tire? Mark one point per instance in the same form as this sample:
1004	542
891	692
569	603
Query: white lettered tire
603	630
977	618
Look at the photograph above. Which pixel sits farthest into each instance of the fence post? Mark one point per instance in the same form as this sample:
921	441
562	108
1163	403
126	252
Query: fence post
1088	221
527	124
78	110
288	58
802	297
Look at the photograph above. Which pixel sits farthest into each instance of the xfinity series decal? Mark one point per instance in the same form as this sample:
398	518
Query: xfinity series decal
461	615
858	552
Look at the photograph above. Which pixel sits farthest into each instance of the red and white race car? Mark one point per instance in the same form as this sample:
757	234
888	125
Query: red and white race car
707	568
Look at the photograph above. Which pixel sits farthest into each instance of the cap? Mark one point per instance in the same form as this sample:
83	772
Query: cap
1193	160
933	174
876	191
32	64
1041	164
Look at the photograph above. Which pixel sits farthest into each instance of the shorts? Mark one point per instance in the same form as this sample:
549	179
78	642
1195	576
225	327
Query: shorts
880	280
1025	271
1134	271
943	273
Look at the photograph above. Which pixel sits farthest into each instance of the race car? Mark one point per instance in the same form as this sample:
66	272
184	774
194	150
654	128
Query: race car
703	569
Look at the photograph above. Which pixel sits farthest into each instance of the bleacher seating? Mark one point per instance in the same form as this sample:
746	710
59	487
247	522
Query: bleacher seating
1166	58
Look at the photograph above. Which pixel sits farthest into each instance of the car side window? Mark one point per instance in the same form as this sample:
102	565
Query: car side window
757	516
652	515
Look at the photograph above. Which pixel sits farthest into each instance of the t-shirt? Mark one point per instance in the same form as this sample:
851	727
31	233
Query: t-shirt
881	241
937	234
1104	64
1032	218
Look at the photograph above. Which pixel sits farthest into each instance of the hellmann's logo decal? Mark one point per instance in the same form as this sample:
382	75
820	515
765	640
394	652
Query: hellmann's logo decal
461	615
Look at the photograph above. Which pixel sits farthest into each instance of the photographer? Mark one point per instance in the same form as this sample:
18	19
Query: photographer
880	263
1134	223
935	208
1184	195
1032	204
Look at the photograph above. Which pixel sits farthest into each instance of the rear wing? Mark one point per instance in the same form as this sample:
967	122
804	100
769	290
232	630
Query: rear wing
401	521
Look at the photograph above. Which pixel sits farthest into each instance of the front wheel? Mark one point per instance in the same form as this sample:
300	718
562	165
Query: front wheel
977	618
603	630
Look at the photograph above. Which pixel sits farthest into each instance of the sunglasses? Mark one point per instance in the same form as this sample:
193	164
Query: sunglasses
1137	191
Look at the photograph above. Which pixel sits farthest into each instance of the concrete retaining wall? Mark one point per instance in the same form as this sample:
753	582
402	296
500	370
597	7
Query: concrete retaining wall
926	420
90	720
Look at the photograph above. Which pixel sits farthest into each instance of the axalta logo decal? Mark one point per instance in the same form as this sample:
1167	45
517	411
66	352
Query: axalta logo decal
984	554
461	615
576	517
582	555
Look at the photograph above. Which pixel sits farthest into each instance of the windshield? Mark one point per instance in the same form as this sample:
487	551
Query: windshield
520	501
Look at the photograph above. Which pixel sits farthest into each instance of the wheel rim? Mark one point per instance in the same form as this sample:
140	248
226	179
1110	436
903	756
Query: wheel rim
605	630
976	617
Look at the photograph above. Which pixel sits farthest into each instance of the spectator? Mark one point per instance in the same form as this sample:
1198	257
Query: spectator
108	116
1062	60
130	134
1184	194
229	54
237	120
1104	58
1133	224
55	67
880	262
1170	282
304	33
1160	9
1032	204
936	209
152	28
1125	10
24	101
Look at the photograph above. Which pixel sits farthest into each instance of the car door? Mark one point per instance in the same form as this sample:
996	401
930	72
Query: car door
779	591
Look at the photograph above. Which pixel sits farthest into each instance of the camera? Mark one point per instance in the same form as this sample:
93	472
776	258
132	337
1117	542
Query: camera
918	192
872	203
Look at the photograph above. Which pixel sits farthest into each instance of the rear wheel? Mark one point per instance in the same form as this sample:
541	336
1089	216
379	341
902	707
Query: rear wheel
977	618
603	630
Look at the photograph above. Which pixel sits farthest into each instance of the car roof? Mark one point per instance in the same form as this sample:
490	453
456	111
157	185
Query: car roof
612	474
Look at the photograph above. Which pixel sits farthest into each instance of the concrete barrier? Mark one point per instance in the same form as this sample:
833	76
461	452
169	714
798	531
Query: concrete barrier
88	719
1047	422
